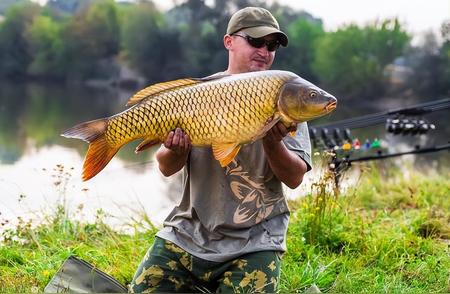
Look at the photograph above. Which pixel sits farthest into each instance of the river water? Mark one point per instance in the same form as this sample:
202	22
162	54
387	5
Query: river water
39	169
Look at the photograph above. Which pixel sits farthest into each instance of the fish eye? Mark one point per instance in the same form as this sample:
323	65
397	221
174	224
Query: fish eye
313	94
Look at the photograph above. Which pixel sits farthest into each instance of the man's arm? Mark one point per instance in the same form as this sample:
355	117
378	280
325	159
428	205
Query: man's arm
173	154
287	166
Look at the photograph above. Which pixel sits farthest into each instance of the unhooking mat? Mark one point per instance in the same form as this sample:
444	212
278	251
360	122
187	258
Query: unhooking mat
78	276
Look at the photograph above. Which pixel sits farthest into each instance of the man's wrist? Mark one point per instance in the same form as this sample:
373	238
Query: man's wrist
272	147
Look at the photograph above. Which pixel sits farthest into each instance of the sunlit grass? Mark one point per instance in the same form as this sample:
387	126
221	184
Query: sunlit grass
30	256
389	233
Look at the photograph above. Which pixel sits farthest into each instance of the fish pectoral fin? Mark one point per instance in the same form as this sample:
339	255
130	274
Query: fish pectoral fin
225	152
147	143
262	132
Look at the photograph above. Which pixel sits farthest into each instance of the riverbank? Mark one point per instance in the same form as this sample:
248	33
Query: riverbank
389	233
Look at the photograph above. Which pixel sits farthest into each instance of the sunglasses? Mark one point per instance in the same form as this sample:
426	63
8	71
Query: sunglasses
260	42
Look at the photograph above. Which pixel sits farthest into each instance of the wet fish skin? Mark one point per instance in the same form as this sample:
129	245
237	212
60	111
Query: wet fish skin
223	112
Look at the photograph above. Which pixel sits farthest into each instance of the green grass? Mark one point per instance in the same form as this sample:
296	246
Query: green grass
389	233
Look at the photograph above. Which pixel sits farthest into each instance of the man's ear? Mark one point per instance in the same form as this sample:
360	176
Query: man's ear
227	41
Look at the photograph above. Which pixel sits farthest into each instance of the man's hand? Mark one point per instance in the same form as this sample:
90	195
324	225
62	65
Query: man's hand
172	156
287	166
278	132
178	142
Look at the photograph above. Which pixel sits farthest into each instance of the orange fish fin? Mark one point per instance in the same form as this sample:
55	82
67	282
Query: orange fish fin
147	143
225	153
160	87
99	152
97	157
292	134
262	132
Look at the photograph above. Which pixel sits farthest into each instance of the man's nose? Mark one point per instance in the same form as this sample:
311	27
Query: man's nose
263	50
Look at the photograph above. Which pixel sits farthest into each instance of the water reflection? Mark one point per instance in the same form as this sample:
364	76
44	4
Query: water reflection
44	177
31	118
41	112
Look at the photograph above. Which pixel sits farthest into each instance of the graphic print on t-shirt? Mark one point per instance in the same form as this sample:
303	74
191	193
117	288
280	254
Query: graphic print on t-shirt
256	202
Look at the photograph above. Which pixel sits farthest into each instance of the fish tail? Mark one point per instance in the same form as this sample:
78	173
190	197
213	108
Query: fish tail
99	152
97	157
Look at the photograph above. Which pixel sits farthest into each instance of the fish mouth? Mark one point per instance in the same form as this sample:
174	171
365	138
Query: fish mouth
331	106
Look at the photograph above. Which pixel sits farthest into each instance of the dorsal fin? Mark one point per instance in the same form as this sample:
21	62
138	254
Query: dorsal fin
164	86
158	88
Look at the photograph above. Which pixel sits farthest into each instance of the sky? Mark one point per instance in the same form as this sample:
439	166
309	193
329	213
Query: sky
417	16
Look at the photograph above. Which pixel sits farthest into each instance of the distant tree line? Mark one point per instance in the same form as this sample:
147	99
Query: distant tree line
75	41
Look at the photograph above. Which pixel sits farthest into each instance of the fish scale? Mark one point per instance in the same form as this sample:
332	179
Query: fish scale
204	115
223	112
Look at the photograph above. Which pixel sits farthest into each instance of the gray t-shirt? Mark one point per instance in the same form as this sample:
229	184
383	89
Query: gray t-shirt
229	211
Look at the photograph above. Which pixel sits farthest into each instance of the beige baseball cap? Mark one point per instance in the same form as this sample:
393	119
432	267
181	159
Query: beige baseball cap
256	22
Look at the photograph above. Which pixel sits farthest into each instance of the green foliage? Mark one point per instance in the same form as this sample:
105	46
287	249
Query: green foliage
431	65
149	45
387	234
90	37
76	40
14	54
44	39
32	255
351	60
100	28
7	4
300	54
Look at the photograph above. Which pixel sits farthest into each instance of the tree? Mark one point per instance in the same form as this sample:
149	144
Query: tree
299	55
89	37
431	65
14	52
351	60
149	45
6	4
196	23
45	45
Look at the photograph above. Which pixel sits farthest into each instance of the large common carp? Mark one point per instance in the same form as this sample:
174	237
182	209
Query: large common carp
219	111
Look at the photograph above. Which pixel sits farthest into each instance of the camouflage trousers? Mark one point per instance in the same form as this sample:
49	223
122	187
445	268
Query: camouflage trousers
168	268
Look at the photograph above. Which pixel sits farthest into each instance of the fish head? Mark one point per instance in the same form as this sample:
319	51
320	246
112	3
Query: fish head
300	100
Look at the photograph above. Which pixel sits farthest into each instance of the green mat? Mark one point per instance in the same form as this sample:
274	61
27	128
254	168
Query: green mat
78	276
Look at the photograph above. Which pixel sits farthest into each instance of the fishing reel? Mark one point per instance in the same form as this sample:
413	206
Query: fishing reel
406	126
338	139
327	139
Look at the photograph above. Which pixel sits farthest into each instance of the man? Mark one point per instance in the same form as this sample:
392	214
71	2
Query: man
229	230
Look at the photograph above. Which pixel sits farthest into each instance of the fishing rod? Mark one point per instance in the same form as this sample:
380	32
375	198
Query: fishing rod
405	121
377	118
380	155
336	137
338	166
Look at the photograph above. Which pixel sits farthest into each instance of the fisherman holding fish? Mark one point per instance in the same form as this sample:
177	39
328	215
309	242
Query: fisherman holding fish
237	136
229	231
